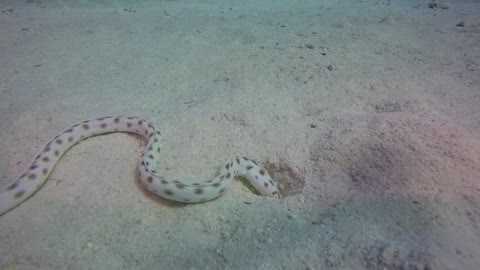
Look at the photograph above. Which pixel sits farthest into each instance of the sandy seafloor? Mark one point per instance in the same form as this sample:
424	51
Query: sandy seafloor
378	157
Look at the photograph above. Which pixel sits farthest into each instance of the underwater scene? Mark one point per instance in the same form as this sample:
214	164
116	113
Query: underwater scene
253	134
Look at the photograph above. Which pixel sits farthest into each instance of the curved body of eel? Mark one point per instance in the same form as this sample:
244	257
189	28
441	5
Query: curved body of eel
43	163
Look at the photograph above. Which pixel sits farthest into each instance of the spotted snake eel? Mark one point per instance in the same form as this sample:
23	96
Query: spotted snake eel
43	163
